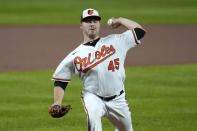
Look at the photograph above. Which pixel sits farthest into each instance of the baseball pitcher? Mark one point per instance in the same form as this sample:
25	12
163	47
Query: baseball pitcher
99	63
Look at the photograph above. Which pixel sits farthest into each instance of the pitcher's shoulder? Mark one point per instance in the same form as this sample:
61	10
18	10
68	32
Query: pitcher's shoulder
110	37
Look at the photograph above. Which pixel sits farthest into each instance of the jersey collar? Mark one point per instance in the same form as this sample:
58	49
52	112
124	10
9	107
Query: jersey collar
92	43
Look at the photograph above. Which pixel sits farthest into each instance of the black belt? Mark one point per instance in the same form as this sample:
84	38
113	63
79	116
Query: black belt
110	97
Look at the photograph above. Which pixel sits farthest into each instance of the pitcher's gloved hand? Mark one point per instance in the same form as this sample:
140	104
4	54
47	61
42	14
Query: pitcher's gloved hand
57	111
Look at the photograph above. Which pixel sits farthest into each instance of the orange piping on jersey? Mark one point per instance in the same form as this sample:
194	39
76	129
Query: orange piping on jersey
134	37
66	80
98	62
86	112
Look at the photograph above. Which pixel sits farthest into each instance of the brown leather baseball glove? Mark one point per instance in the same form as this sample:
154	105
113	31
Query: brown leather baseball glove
57	111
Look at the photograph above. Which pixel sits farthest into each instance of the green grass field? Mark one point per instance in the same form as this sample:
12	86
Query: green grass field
162	98
55	12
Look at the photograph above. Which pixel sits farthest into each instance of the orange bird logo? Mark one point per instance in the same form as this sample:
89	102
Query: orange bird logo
90	12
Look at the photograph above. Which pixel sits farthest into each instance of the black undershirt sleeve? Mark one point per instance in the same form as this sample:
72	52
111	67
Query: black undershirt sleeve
139	33
61	84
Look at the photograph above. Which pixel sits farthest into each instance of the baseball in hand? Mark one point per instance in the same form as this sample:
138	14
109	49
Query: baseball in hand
109	22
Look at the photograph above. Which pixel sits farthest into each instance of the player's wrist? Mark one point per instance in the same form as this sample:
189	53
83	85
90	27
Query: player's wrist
57	103
120	19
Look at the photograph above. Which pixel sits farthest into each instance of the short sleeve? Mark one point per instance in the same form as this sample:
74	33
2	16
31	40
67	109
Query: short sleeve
128	39
64	70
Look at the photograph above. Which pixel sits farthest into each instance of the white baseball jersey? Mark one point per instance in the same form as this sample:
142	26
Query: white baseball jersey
101	68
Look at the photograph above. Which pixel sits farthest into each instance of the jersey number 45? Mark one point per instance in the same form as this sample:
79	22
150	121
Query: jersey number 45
114	64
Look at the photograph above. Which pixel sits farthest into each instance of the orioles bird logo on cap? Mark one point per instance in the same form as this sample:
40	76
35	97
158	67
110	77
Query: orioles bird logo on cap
90	12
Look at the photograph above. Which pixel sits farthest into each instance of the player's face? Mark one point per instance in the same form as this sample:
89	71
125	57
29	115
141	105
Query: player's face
90	27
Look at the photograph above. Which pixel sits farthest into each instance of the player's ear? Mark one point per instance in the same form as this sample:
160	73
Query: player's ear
80	25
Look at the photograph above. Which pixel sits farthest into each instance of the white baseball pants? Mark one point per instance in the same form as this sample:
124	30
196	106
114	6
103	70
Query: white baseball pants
116	111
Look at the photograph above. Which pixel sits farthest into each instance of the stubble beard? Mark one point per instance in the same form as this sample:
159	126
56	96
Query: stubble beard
91	36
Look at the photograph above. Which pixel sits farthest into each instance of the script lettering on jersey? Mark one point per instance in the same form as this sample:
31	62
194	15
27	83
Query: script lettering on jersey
89	62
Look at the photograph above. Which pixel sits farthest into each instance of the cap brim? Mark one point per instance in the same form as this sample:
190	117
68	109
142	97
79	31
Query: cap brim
94	16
